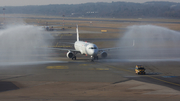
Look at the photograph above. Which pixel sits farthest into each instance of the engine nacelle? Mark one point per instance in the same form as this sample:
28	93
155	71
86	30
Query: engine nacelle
103	54
70	54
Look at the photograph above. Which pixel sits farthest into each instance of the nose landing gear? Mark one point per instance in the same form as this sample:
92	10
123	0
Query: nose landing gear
94	58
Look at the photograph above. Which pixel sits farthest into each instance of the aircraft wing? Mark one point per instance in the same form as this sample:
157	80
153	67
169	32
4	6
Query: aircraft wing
108	49
63	49
66	43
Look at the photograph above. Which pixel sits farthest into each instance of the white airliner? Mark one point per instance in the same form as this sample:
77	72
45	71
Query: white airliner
86	48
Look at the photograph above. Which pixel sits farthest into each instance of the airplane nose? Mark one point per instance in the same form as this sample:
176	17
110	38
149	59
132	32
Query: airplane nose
92	52
95	52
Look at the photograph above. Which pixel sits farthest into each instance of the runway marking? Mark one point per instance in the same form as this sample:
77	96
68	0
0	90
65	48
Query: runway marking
57	67
146	76
169	76
84	64
164	81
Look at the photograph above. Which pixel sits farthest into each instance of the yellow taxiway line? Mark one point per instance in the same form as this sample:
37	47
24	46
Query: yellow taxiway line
57	67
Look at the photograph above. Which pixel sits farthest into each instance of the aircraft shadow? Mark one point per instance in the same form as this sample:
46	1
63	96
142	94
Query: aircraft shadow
7	86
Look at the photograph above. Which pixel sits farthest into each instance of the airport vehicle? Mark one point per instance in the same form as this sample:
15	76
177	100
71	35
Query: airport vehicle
139	69
86	48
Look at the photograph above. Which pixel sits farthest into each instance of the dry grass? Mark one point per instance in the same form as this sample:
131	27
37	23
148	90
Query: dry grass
112	25
106	44
111	22
115	28
104	35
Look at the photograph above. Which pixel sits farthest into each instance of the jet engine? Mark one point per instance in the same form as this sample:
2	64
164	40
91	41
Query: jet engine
70	54
103	54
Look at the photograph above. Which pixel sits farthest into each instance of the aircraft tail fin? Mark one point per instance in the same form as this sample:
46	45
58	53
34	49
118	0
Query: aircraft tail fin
77	33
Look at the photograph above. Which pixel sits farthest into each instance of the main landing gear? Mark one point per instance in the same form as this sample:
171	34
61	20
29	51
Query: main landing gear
92	58
74	58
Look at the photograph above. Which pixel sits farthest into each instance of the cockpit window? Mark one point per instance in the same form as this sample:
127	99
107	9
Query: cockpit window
93	48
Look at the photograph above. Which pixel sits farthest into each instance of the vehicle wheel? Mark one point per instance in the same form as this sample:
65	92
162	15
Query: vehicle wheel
75	57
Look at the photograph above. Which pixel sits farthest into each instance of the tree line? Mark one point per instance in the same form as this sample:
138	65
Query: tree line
102	10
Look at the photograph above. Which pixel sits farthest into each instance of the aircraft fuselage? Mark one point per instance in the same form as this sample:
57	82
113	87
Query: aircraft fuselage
86	48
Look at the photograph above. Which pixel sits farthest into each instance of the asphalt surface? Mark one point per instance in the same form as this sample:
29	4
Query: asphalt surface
53	77
59	78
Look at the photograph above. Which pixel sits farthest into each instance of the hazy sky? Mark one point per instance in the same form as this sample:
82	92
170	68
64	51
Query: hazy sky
46	2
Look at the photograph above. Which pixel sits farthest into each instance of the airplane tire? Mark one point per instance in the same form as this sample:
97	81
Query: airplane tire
97	57
74	58
92	58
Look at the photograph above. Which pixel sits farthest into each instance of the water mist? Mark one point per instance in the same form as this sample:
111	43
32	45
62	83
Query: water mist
23	43
151	42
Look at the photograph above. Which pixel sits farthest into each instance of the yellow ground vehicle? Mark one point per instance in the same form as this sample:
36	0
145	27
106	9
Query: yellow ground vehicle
139	69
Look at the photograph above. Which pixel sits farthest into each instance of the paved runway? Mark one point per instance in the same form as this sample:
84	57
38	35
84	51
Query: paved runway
53	77
59	78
